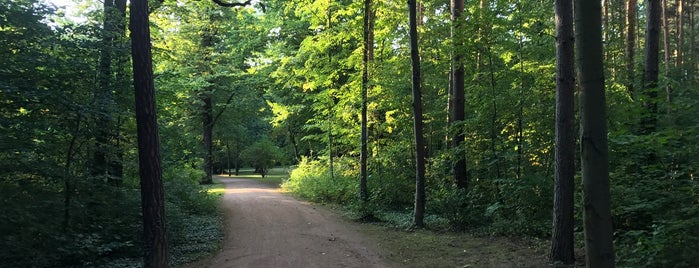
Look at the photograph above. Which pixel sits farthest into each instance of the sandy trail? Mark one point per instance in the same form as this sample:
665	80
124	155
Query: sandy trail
266	228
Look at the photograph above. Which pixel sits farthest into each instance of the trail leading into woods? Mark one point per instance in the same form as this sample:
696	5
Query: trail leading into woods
265	228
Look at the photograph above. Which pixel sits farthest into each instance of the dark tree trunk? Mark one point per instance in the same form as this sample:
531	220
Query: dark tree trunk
631	6
152	194
563	222
457	92
650	72
208	127
103	95
419	209
599	250
366	58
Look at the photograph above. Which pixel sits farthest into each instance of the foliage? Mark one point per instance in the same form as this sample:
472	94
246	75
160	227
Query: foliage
311	180
262	155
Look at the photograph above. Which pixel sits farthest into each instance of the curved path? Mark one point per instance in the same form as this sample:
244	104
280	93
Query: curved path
265	228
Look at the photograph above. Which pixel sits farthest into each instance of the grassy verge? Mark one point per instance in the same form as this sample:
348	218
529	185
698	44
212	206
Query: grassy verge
425	248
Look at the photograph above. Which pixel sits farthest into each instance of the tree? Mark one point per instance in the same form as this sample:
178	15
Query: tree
650	68
106	152
631	6
367	57
152	196
419	207
456	107
563	221
593	135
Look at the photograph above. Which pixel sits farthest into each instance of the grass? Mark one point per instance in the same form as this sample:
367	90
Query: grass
425	248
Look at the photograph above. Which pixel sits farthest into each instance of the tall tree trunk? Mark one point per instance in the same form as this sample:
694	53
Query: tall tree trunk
122	57
419	209
680	37
207	141
692	68
666	48
458	115
631	7
650	72
103	94
563	222
152	194
67	175
520	112
366	58
597	216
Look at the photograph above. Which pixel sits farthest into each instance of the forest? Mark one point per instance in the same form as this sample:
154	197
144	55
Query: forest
571	121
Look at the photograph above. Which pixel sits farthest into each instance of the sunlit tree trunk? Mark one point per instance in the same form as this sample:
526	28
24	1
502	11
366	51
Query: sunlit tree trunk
562	240
152	194
680	37
666	48
419	209
597	218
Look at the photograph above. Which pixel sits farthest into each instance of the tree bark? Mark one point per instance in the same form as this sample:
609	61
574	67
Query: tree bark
458	98
562	243
680	37
666	48
593	136
650	72
631	6
366	57
152	194
207	141
419	209
103	96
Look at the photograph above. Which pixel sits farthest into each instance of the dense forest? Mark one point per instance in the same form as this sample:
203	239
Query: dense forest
497	117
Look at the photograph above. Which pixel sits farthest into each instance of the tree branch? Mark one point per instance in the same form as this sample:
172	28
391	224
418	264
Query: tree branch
234	4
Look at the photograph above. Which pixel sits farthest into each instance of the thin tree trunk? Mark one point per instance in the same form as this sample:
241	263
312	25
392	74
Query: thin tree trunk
692	68
208	127
458	115
650	72
368	50
152	194
666	48
631	6
680	37
228	159
597	218
67	175
419	209
562	242
520	112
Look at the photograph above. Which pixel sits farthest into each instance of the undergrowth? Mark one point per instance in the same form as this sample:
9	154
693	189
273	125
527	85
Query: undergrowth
103	226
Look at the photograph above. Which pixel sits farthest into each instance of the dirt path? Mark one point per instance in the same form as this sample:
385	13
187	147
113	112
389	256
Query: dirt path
265	228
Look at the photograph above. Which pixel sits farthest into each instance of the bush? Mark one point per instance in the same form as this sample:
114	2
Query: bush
104	227
311	180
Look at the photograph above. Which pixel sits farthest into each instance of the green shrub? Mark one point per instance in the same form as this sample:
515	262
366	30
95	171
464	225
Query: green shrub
311	180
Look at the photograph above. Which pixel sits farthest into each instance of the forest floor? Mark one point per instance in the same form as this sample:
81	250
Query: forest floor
267	228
